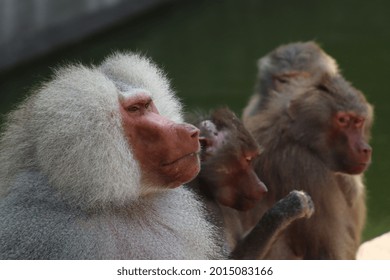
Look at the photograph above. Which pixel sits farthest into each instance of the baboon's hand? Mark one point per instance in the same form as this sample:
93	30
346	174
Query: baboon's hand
297	204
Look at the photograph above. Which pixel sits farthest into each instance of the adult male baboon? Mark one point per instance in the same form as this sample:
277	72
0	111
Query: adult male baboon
314	127
91	168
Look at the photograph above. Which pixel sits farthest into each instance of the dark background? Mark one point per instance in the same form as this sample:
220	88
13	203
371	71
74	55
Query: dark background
209	50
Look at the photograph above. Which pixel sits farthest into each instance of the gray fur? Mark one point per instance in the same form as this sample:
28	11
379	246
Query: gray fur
70	187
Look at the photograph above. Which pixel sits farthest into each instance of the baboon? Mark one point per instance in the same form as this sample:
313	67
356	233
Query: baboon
314	127
91	167
229	186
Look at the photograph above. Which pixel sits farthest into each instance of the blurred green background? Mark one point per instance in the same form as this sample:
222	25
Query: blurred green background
209	50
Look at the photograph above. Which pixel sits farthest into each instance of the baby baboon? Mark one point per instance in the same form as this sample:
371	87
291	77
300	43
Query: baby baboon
229	186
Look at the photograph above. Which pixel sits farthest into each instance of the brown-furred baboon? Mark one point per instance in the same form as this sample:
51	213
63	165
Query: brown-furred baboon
314	128
229	186
91	167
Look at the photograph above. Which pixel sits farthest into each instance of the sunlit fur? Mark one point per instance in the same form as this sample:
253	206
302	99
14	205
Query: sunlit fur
286	62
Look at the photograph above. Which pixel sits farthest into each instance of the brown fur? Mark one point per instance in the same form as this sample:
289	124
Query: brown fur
229	187
292	118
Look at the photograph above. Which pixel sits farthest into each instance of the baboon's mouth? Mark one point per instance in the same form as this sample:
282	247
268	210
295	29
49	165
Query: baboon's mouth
185	157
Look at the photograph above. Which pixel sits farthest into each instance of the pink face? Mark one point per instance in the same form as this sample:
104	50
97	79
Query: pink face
347	136
166	151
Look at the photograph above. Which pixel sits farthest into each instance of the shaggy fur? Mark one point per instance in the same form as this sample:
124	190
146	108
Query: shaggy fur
70	186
